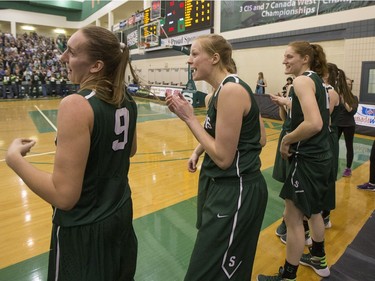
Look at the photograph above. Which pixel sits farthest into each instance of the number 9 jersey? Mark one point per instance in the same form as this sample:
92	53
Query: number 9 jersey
105	186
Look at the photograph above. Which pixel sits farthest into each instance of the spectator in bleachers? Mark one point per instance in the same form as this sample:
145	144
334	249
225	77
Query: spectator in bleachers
7	86
18	84
42	78
31	53
2	74
53	85
63	88
34	92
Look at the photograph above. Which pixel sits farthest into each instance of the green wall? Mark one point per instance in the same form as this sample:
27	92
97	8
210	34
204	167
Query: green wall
72	10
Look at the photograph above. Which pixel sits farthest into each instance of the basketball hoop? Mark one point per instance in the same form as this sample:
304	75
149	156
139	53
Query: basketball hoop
142	46
149	36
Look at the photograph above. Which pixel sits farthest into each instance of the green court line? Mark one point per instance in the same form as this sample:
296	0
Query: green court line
41	123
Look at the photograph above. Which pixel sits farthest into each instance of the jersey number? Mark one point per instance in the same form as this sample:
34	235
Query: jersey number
121	128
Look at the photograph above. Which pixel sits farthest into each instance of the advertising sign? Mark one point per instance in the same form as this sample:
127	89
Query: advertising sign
365	115
242	14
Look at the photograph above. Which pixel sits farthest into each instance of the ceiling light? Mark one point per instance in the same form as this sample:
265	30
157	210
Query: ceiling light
59	31
28	27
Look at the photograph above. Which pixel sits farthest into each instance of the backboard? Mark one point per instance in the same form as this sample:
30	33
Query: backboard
149	35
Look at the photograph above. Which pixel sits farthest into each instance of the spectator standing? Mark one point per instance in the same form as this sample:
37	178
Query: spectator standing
289	82
43	82
261	84
27	77
345	120
63	85
53	84
13	79
7	84
18	84
34	89
2	74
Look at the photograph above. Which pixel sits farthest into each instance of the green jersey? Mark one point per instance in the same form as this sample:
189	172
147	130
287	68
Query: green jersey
319	143
105	186
247	159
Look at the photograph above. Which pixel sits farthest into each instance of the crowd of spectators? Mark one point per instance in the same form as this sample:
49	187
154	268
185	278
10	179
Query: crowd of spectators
30	66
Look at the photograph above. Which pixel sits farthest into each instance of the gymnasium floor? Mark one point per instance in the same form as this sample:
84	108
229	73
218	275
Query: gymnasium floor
164	196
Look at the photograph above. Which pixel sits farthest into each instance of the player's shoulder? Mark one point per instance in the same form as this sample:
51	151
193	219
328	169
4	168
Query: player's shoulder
74	102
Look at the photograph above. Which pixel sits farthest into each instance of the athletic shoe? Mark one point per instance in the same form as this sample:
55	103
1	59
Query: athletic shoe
367	186
327	222
277	277
308	240
347	172
318	264
281	229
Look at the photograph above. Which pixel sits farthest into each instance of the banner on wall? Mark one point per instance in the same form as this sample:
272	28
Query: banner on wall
185	39
242	14
365	115
131	36
161	91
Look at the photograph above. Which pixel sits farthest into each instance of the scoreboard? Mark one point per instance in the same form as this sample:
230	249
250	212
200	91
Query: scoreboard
165	19
187	16
147	16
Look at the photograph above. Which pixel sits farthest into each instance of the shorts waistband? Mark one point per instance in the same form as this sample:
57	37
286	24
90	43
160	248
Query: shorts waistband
246	177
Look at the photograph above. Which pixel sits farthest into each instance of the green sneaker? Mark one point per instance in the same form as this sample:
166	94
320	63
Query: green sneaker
318	264
277	277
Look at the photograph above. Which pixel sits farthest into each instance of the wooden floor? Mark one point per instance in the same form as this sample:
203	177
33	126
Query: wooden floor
159	180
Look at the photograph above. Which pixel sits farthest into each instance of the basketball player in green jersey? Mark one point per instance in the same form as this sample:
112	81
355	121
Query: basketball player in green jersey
307	148
333	81
232	193
92	236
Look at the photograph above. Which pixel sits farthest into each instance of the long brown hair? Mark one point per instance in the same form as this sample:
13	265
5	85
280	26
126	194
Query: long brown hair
109	83
213	43
345	91
315	52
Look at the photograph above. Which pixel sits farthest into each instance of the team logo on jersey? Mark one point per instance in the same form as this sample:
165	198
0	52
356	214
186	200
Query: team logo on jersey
230	266
296	185
207	124
220	216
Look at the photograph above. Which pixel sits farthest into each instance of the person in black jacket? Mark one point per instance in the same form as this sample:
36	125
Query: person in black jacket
345	119
34	85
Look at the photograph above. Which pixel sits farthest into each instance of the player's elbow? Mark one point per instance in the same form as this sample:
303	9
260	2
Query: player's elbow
317	126
67	200
65	206
224	164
